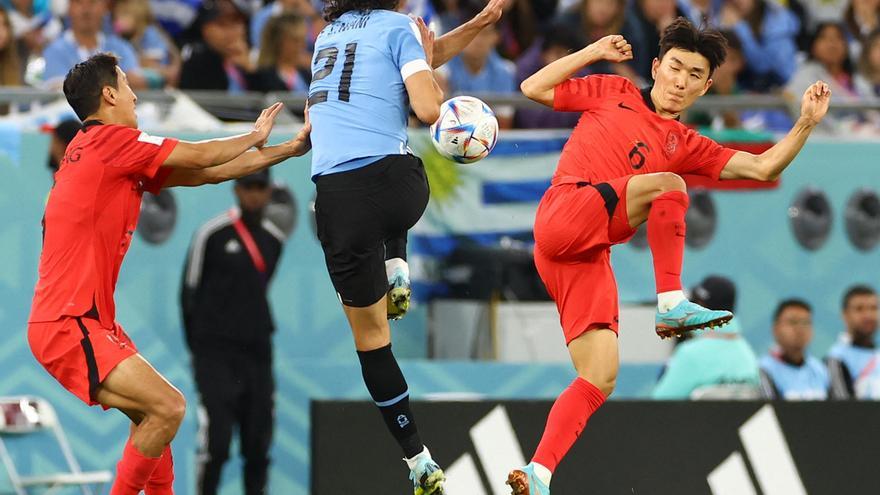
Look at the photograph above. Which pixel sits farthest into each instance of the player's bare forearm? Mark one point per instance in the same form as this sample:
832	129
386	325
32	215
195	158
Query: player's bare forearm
769	165
777	158
452	43
245	163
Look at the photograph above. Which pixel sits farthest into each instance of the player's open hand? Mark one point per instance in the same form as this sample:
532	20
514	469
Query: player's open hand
263	125
814	104
427	40
613	48
491	13
302	142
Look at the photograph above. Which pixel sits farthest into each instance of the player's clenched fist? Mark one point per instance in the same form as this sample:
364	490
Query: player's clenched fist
613	48
815	102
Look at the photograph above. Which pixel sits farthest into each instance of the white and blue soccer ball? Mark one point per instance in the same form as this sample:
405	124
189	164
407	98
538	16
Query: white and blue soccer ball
466	131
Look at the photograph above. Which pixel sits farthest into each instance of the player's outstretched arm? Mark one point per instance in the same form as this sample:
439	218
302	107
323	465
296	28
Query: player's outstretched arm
540	85
452	43
768	166
246	163
213	152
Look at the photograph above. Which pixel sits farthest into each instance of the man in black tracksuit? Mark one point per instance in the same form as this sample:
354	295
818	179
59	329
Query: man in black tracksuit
229	327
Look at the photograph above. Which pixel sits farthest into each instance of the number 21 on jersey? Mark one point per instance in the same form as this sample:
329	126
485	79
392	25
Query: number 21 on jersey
329	57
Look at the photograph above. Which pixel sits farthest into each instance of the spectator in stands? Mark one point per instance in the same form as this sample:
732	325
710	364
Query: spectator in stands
479	68
828	60
650	18
220	60
10	69
520	25
84	39
599	18
767	32
176	17
862	17
284	64
853	361
868	76
788	371
311	17
33	25
157	54
711	359
559	41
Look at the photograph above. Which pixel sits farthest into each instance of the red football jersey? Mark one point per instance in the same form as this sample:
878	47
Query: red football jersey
90	217
620	134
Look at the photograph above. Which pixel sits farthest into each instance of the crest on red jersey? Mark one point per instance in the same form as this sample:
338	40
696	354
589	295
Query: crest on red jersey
671	142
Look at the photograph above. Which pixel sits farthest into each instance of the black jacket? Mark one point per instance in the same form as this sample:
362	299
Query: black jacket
223	296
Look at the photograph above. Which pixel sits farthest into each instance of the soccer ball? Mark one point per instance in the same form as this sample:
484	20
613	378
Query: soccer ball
466	130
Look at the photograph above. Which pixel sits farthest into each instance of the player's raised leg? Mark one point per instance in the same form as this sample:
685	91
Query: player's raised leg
157	409
661	199
595	358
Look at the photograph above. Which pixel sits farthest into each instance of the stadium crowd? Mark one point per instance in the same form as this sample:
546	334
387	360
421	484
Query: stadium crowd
777	46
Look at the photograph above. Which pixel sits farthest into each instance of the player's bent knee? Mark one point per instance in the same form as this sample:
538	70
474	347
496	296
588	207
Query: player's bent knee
668	181
171	409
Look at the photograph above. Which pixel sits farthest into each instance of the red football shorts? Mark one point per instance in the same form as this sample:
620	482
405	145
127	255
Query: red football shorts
79	352
575	227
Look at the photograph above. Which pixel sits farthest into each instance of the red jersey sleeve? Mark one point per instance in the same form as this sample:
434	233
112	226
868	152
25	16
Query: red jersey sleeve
134	152
704	156
579	94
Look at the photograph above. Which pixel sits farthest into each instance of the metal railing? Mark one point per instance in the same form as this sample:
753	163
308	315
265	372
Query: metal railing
230	106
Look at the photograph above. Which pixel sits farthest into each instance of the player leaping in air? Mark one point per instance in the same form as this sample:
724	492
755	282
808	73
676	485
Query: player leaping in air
619	169
371	64
90	217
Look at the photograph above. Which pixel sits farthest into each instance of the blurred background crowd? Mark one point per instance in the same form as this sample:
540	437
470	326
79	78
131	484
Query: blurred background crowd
776	47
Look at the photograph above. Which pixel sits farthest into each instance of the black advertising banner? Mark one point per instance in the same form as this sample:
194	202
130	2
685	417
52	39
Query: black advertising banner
628	448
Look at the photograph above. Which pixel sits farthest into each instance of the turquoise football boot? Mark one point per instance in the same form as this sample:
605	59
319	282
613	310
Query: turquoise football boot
686	317
524	481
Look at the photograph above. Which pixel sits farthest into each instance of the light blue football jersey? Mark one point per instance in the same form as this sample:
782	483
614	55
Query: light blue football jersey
808	381
863	365
357	100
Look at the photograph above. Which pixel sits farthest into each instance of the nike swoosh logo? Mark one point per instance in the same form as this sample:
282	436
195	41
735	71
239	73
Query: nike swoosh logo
621	105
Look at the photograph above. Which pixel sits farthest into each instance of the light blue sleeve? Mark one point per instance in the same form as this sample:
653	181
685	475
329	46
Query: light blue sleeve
405	43
679	380
154	45
258	22
57	61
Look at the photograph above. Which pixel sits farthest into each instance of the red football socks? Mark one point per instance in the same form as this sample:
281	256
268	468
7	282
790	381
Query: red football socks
133	471
566	421
162	480
666	230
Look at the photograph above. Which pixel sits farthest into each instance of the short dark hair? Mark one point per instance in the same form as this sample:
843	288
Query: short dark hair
333	9
790	303
86	80
856	290
683	35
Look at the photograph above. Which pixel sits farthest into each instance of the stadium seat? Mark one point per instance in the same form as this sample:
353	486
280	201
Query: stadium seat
22	416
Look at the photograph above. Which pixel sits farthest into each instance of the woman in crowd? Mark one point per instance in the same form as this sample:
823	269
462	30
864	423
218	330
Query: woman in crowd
10	68
767	32
868	76
284	63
